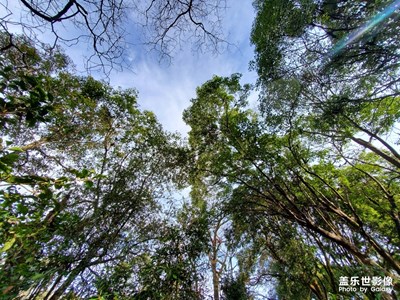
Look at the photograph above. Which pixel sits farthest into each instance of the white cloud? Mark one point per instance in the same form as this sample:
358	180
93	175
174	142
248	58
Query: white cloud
167	90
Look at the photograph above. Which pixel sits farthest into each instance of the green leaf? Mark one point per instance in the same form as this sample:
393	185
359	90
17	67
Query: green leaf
9	158
85	173
22	209
38	276
88	184
8	245
18	149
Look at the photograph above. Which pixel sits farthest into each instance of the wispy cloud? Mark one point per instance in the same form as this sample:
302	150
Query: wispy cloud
167	90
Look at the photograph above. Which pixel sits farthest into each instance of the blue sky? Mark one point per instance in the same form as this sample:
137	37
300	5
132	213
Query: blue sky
167	89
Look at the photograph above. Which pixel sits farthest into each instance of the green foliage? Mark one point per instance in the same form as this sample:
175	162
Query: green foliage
235	289
315	211
284	20
306	191
170	273
81	169
309	33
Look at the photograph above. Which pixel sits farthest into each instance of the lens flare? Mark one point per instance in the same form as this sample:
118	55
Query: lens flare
358	33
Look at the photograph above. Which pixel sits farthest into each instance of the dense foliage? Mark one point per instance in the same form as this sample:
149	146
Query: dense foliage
287	201
82	169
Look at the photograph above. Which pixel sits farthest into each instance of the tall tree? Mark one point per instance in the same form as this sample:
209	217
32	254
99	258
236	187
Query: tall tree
332	80
280	178
82	168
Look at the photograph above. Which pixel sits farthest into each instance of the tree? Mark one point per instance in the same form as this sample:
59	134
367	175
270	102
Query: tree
205	206
314	70
279	178
81	170
324	37
331	81
235	289
174	270
207	119
104	25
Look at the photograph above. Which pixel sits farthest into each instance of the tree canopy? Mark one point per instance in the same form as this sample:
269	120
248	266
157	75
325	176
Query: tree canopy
82	169
295	199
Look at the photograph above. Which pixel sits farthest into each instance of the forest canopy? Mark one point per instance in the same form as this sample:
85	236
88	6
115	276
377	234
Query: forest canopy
298	198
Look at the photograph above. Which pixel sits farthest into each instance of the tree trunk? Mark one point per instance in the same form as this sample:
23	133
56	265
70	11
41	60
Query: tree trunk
215	278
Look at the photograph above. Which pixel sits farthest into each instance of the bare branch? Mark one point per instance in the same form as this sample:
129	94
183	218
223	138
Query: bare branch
167	24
